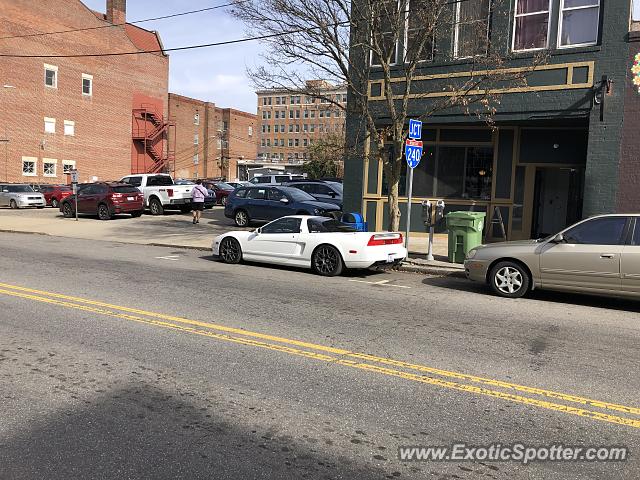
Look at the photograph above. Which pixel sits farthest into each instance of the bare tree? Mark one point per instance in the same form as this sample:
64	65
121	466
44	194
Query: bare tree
383	45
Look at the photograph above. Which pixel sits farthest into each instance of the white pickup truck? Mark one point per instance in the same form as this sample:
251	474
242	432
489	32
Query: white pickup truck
160	192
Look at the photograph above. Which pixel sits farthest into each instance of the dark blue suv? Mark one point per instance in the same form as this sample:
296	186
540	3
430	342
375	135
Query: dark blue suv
263	204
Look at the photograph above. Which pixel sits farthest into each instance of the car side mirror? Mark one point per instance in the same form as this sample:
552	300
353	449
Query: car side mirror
559	238
258	231
332	194
284	200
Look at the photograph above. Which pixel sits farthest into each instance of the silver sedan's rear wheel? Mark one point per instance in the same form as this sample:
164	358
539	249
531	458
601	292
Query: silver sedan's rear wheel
327	261
230	250
509	279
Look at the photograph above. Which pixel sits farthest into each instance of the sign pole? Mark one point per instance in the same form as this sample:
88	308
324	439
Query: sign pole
409	196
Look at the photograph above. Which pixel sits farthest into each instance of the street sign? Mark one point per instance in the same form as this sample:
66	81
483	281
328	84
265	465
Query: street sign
74	176
415	129
413	152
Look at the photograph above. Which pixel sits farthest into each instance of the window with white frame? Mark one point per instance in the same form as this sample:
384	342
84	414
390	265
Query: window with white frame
419	33
531	24
51	76
251	131
87	85
49	125
49	167
69	128
196	139
67	166
196	119
471	32
196	159
384	38
578	24
29	166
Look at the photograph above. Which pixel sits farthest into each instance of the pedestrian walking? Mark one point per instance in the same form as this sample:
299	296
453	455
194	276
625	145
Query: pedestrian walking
198	194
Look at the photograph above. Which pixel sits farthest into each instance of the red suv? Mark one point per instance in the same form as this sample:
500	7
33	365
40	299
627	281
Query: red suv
54	194
222	191
104	200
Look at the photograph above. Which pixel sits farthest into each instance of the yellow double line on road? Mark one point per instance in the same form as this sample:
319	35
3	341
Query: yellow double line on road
574	405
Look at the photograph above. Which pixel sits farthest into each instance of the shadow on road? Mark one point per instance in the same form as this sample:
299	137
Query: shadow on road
141	431
462	285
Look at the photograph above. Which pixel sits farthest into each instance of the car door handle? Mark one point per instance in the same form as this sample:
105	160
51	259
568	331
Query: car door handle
607	255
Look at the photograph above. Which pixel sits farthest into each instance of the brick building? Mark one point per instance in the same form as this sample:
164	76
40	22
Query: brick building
60	113
291	122
564	146
209	140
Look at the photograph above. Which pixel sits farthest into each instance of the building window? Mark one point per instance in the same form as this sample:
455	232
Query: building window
51	76
291	114
87	85
531	24
29	166
385	19
415	32
471	32
291	142
251	131
49	167
196	159
196	139
49	125
69	128
196	119
282	142
225	125
263	142
67	166
578	23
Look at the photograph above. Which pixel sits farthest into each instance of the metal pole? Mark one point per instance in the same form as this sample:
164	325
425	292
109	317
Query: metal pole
430	252
75	187
409	195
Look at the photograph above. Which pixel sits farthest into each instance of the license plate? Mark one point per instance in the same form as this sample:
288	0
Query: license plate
130	199
390	258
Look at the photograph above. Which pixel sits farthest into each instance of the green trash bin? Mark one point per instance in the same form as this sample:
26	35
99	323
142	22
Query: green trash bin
465	233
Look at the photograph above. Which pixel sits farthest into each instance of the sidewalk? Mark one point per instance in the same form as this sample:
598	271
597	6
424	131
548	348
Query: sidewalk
176	230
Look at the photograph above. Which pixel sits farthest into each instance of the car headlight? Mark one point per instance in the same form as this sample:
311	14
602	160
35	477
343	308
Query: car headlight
318	211
472	253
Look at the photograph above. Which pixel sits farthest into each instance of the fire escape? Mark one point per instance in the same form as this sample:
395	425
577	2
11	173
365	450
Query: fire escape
150	130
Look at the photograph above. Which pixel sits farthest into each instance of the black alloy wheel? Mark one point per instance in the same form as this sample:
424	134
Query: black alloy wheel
230	251
326	261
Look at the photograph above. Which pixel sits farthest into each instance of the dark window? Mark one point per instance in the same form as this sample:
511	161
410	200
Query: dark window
599	231
125	189
283	225
46	189
89	190
159	181
282	178
257	193
324	226
276	195
265	179
323	190
241	193
636	235
135	181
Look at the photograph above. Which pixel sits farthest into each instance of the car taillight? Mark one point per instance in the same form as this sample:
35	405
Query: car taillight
385	239
170	192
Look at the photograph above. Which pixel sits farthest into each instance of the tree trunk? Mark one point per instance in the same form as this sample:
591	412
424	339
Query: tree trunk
392	171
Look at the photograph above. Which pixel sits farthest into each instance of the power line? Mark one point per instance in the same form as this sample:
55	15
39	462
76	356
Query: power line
111	25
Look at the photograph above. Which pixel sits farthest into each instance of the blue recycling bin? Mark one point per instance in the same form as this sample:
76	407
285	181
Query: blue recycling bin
355	220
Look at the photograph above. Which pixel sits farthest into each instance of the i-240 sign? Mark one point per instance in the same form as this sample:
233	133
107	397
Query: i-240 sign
413	152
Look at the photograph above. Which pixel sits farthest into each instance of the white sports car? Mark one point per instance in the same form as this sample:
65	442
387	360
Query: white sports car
323	244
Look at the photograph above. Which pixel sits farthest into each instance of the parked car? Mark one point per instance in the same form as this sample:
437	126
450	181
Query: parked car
54	194
278	179
209	201
328	192
104	199
267	203
160	192
320	243
239	184
19	196
222	191
600	255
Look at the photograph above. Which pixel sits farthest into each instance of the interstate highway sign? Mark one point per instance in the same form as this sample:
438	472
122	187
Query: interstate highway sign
413	152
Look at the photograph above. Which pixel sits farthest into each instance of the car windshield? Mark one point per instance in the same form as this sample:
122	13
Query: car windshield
336	186
19	189
64	189
298	195
225	186
125	189
159	181
328	226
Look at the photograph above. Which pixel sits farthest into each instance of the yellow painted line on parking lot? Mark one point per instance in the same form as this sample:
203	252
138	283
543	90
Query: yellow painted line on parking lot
344	357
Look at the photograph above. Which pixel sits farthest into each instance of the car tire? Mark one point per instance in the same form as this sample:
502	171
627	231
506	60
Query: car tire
67	211
55	203
40	208
103	212
13	204
230	251
223	201
509	279
155	206
136	214
327	261
241	217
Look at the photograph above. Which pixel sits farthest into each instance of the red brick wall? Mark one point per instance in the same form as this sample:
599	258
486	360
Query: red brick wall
102	144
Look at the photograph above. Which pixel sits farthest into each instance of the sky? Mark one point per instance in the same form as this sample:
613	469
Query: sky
215	74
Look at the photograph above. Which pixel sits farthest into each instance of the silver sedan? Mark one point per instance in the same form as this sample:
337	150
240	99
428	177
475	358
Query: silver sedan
18	196
599	255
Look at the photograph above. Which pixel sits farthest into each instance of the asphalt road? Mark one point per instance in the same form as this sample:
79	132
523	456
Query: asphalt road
123	361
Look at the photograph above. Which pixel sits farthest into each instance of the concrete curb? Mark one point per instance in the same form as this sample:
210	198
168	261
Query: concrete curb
433	270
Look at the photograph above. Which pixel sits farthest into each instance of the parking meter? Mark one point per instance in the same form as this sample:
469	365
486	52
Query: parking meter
427	212
439	215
